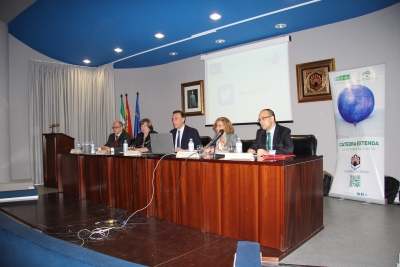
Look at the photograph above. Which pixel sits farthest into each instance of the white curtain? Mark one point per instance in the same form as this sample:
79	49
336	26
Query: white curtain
80	99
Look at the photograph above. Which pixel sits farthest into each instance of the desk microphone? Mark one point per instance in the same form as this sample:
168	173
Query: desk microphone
216	137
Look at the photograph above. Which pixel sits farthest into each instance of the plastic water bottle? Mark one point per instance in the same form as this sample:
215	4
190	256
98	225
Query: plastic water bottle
191	145
125	146
78	145
239	148
92	151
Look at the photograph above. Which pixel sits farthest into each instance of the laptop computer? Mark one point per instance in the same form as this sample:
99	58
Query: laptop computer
161	144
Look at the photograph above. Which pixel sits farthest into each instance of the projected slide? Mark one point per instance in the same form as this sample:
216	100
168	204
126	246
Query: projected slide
240	84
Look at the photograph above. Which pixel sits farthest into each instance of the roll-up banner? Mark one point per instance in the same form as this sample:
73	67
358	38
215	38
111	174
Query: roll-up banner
358	97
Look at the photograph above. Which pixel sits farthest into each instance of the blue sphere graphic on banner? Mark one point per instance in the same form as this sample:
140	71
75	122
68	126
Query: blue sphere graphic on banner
356	103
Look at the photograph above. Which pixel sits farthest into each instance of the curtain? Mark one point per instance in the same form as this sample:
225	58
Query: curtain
80	99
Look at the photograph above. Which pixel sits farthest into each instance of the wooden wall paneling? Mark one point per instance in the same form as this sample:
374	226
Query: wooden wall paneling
108	181
68	174
151	196
167	177
303	201
270	204
191	194
230	199
248	201
212	175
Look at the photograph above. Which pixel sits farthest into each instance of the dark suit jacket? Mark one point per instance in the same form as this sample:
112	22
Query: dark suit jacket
139	140
188	133
123	136
282	142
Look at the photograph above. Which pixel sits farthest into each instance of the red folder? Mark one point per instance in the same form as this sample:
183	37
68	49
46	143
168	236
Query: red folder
278	157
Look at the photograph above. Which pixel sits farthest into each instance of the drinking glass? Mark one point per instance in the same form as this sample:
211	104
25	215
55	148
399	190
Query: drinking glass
199	148
231	149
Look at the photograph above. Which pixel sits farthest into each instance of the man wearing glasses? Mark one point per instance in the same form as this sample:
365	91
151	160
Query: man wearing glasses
116	139
272	138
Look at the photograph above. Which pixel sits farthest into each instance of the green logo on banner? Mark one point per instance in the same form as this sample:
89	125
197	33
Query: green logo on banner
342	78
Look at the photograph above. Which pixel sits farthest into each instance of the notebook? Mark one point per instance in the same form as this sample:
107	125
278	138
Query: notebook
161	144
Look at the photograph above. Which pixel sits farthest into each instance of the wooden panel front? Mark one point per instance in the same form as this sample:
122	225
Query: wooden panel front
277	204
303	201
99	179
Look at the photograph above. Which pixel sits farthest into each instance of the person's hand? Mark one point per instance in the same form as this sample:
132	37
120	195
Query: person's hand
142	149
262	152
250	150
177	149
106	148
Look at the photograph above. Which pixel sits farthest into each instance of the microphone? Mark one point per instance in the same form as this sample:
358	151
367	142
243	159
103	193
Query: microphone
216	137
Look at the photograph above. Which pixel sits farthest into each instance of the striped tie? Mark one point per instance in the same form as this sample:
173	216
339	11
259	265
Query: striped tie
269	147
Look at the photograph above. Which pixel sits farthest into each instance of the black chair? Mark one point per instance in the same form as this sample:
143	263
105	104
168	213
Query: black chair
205	140
246	144
304	145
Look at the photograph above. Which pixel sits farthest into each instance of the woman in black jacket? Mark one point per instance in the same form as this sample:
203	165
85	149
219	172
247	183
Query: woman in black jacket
142	141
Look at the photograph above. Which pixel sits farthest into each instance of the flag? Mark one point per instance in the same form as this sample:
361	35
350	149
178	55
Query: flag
137	117
122	111
128	118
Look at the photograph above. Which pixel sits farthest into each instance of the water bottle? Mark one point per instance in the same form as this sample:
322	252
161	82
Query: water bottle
92	151
238	148
191	145
125	146
78	145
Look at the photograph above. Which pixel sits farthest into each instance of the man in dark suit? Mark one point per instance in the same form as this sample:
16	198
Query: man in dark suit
116	139
182	133
272	138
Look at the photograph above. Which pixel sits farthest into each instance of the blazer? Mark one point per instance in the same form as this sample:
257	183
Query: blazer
230	140
188	133
282	142
123	136
138	142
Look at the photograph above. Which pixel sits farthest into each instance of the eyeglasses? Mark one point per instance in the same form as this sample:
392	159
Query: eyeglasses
263	118
115	127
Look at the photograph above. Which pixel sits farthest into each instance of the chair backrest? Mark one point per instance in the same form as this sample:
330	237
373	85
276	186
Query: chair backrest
205	140
246	144
304	145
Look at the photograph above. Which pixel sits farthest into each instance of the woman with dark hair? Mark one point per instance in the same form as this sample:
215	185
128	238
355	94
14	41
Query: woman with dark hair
142	142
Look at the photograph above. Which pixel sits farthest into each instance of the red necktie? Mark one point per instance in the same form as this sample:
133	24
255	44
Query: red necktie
116	141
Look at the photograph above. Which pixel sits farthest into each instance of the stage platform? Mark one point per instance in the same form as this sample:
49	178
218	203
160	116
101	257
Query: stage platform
146	241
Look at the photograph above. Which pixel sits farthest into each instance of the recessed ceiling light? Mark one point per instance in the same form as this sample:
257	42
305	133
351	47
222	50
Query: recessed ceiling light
215	16
159	35
118	50
87	61
280	25
220	41
173	54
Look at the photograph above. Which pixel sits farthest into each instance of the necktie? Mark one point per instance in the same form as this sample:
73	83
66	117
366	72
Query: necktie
116	141
178	142
269	146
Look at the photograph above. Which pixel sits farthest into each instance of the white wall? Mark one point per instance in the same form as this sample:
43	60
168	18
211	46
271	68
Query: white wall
367	40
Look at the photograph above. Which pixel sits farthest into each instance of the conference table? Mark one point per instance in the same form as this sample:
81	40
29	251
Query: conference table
276	203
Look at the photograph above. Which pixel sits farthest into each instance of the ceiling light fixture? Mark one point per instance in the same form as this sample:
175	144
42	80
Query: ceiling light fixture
215	16
159	35
220	41
87	61
280	25
118	50
173	53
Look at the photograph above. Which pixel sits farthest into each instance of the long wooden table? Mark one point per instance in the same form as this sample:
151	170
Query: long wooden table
278	204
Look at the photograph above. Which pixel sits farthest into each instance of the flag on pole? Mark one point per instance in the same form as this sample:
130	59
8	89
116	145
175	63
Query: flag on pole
122	111
137	117
128	118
